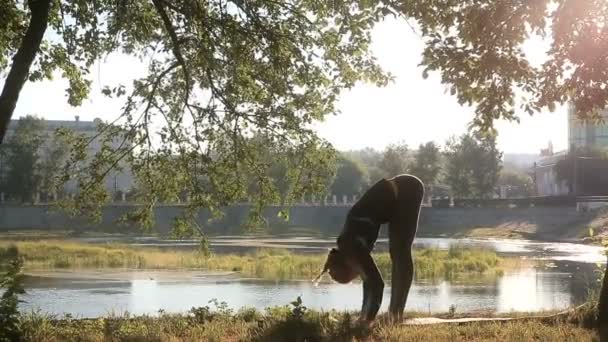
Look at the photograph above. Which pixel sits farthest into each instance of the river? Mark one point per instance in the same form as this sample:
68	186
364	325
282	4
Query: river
562	279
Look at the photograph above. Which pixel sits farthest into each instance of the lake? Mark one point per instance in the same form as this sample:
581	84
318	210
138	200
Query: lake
565	273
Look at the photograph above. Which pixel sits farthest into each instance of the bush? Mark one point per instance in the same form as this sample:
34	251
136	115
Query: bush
9	315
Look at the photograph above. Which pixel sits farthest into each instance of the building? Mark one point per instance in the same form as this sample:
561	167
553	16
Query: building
116	180
581	134
544	174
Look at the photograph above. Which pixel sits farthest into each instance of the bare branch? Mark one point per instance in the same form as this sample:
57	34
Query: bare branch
175	43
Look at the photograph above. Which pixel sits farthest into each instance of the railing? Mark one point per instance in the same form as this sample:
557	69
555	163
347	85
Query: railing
504	202
127	199
340	201
588	203
592	199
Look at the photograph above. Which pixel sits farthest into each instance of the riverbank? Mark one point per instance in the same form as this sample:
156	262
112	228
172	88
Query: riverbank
539	223
534	224
296	323
275	264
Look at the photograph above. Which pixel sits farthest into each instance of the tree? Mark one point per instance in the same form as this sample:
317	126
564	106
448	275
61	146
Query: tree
280	65
457	172
219	72
374	175
11	282
473	165
279	165
518	184
53	156
369	159
350	178
23	49
486	165
23	159
367	156
478	49
394	160
426	164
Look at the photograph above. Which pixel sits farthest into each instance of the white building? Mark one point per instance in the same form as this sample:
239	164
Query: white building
581	134
547	183
115	181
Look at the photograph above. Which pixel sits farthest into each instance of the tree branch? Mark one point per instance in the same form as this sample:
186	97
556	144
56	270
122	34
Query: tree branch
174	42
23	61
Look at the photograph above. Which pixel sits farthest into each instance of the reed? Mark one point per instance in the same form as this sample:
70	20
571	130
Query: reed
275	264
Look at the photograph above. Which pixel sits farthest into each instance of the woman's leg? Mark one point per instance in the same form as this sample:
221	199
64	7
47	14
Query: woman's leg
402	230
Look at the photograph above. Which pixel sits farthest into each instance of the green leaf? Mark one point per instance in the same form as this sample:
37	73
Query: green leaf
425	74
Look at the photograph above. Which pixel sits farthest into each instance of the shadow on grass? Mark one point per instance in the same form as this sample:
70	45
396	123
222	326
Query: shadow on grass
316	327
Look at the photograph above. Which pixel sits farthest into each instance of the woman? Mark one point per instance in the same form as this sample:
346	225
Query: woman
395	201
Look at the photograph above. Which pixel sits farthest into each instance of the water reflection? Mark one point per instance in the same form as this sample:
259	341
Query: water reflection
538	250
531	290
568	272
525	290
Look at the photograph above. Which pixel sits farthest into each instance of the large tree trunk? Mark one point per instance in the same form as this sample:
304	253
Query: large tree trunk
22	61
602	309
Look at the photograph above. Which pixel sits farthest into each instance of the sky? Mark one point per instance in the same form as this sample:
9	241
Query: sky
410	110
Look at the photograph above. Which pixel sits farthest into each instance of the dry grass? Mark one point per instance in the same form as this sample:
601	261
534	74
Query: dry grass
265	263
290	324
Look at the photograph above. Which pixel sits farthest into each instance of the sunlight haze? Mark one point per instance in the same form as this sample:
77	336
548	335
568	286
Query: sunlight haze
411	110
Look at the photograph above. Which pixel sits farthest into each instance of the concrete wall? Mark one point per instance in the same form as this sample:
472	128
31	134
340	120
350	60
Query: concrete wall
328	219
543	219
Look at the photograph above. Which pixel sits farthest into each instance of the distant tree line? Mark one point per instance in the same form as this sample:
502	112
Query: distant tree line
468	166
31	161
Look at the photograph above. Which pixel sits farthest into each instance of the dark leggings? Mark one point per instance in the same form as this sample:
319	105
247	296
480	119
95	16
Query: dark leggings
401	232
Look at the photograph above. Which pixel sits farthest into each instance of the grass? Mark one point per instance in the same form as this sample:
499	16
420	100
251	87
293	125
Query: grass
287	323
58	254
264	263
294	323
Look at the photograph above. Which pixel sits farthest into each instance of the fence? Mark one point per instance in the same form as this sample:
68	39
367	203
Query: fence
545	201
120	197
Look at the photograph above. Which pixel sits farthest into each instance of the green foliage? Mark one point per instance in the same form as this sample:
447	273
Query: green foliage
22	164
477	48
370	160
350	178
11	285
473	165
219	73
366	156
53	156
375	174
299	310
426	165
276	324
187	228
455	263
31	161
395	160
518	184
452	311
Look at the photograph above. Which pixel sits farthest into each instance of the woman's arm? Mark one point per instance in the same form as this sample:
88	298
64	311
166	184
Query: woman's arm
373	285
